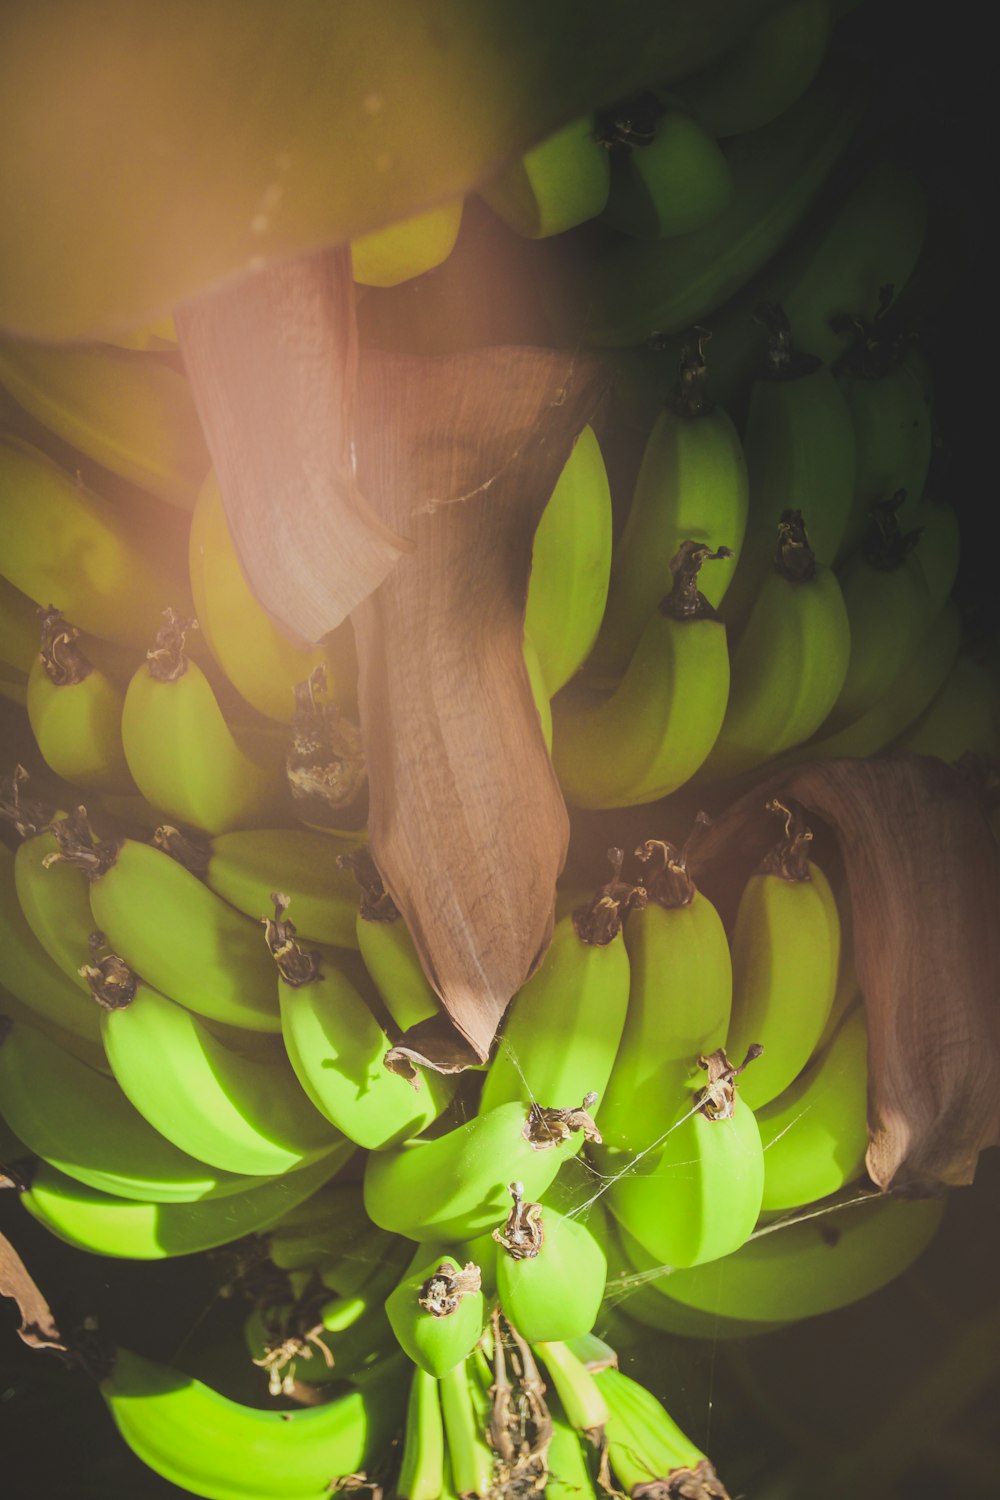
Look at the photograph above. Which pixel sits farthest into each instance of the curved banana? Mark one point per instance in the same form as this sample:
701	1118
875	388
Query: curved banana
692	483
668	174
75	711
133	413
679	1003
645	1446
437	1310
559	183
181	751
646	735
67	548
562	1028
623	291
422	1465
764	75
181	937
570	565
550	1271
815	1133
408	248
790	661
80	1121
204	1442
136	1230
391	959
336	1047
813	1264
963	716
260	661
238	1113
786	955
455	1185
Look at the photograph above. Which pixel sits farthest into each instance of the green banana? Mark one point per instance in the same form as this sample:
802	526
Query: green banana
68	548
696	1197
568	1475
646	735
668	175
234	1112
407	248
182	753
18	628
824	1260
579	1394
86	1051
422	1466
786	954
679	1003
80	1121
470	1457
388	950
437	1310
815	1133
262	664
455	1185
539	689
336	1047
938	547
562	1028
692	483
137	1230
645	1447
963	716
167	926
570	565
555	185
75	711
623	292
55	900
790	661
550	1271
756	81
133	413
206	1443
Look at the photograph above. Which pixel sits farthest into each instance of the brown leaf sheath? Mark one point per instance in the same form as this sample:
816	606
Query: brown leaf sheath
467	823
924	879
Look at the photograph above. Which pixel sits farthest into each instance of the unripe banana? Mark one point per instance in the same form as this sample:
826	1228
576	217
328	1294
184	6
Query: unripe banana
559	183
668	175
408	248
786	954
183	754
135	1230
391	959
679	1003
579	1394
456	1185
471	1460
550	1272
692	483
167	926
234	1112
650	732
964	715
18	628
790	662
645	1446
422	1467
437	1310
570	565
131	412
815	1134
75	711
66	547
938	547
568	1471
561	1030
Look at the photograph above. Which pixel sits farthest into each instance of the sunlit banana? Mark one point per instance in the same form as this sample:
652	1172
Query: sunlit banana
388	950
75	711
550	1271
66	547
437	1309
815	1133
131	412
182	938
646	735
570	565
579	1394
421	1470
692	483
562	1028
786	954
336	1047
963	716
679	1003
668	175
555	185
201	1441
131	1229
259	660
756	81
645	1446
790	661
471	1459
408	248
